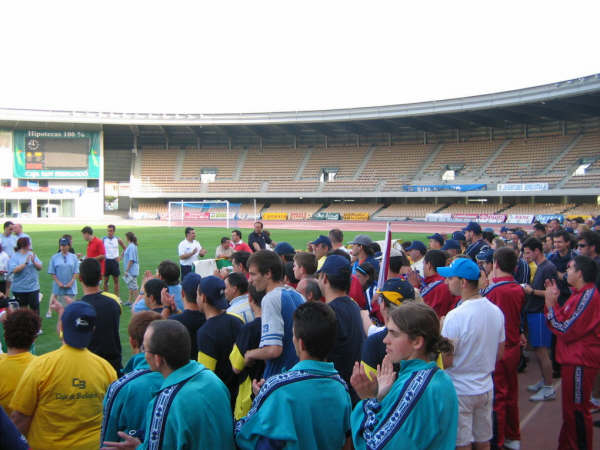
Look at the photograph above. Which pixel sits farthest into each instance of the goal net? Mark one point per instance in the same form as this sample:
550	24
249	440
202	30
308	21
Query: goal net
189	213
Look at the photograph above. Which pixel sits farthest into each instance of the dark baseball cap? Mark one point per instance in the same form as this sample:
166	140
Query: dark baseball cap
63	241
438	237
189	285
451	244
459	236
474	227
322	240
417	245
396	289
285	248
334	264
78	322
214	290
486	254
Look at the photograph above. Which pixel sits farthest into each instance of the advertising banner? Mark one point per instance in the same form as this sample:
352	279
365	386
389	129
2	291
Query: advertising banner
491	218
56	154
298	216
524	219
196	215
523	187
437	217
275	216
326	216
444	187
356	216
545	218
464	217
221	215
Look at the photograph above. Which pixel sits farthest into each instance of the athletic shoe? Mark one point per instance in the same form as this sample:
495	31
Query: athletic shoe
48	315
40	332
512	445
536	387
545	394
595	405
127	304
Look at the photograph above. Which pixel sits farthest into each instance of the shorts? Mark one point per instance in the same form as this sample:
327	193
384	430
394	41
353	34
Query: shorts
60	298
28	299
112	268
539	334
474	418
131	281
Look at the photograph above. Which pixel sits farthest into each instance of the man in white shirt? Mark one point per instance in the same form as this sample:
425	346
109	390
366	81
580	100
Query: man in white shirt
417	251
189	250
476	329
111	246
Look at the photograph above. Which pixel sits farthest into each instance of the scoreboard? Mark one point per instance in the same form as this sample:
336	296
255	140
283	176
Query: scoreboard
56	154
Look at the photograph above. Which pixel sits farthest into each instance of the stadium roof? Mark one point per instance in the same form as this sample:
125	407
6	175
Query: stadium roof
570	101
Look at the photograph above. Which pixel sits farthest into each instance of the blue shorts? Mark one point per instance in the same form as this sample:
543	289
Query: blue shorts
539	333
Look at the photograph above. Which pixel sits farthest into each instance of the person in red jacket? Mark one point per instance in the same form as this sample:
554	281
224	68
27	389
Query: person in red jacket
576	325
508	295
436	292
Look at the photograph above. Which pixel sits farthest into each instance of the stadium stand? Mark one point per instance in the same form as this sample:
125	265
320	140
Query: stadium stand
584	209
474	208
153	207
538	208
523	159
399	211
271	164
396	165
471	154
346	159
223	160
346	208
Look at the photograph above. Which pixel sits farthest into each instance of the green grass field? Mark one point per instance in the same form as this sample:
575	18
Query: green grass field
155	244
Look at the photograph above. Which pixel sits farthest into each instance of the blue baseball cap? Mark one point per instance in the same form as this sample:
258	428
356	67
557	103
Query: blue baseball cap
322	240
451	244
189	285
63	241
504	229
334	264
462	268
489	229
486	255
214	290
78	322
284	248
474	227
438	237
417	245
459	236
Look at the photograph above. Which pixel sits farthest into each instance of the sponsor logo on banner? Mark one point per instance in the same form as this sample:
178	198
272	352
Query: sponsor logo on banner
545	218
274	216
464	217
520	218
491	218
196	215
298	215
437	217
356	216
523	187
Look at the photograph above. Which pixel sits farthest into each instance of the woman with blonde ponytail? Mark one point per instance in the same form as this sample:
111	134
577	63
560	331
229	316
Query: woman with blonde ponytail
416	407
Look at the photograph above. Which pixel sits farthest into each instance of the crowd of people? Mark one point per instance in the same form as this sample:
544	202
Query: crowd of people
304	348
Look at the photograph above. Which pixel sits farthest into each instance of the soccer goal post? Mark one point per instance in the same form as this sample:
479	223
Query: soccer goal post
188	212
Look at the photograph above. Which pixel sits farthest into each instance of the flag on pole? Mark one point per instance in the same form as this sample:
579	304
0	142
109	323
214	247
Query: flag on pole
385	260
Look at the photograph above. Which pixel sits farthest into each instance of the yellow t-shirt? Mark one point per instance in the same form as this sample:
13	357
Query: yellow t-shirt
63	390
11	370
